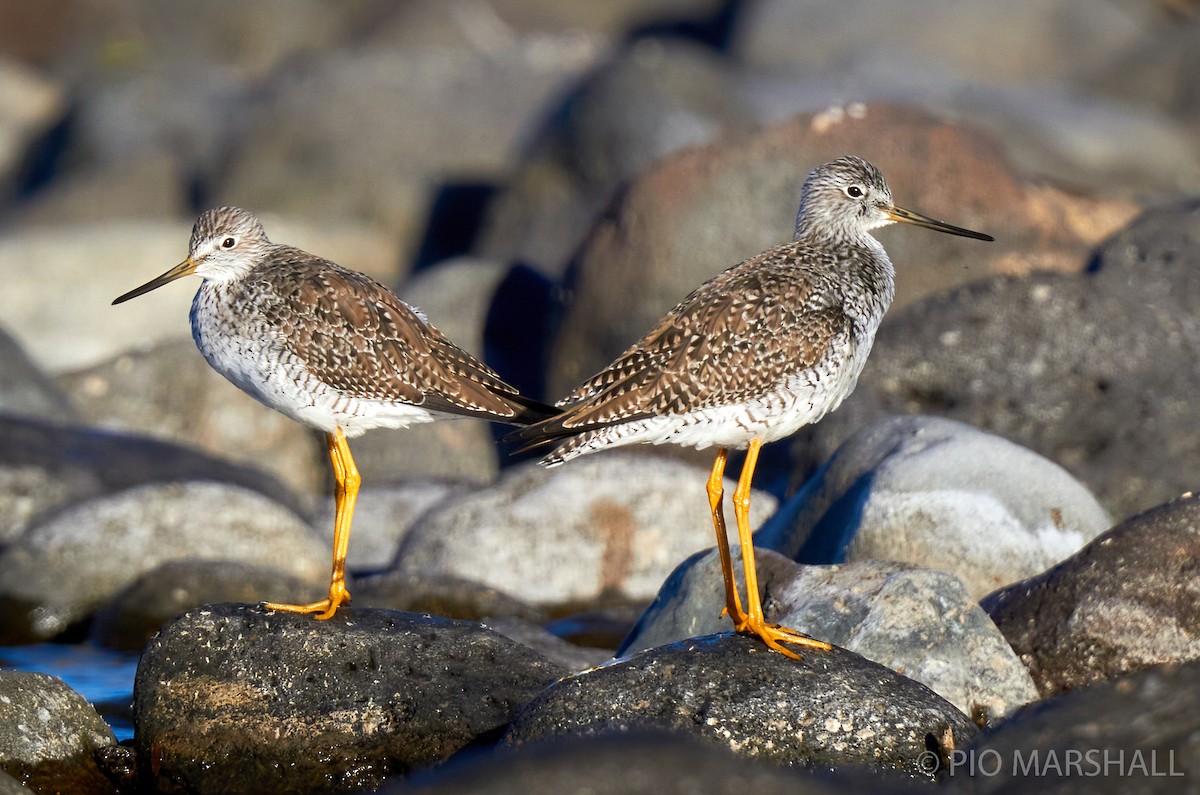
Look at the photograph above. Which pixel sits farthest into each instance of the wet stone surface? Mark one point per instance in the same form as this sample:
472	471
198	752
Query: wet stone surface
830	709
291	704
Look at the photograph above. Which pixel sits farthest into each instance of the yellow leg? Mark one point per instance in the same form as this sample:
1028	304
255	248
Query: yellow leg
771	634
346	475
716	493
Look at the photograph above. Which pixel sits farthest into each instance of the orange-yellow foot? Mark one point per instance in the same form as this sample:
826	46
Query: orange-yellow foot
774	635
326	607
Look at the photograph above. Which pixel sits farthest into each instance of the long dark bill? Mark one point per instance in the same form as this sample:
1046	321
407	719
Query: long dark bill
185	268
909	217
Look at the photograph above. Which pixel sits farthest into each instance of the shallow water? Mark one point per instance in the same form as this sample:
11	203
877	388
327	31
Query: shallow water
103	677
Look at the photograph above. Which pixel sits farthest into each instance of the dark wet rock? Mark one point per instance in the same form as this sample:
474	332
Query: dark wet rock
1128	600
828	710
940	495
918	622
27	391
1093	371
44	466
49	734
442	595
385	512
705	209
138	611
291	704
563	653
608	525
652	98
61	570
1138	734
629	763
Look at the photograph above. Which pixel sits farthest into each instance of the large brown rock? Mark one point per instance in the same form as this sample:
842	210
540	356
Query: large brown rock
705	209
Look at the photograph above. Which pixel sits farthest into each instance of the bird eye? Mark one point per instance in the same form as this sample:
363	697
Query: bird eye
854	192
228	242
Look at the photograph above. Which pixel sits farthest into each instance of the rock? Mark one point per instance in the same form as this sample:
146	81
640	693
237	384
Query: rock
828	710
941	495
628	763
918	622
978	45
1126	601
442	595
63	569
134	614
455	296
98	262
703	210
49	734
1153	73
383	514
45	466
30	104
602	625
1079	106
463	22
26	391
169	392
653	97
385	138
1134	734
10	786
607	526
1091	370
562	653
295	705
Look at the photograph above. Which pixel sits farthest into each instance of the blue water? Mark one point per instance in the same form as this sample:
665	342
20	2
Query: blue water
105	678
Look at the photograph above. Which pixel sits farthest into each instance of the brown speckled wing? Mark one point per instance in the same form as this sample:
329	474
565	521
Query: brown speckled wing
359	338
732	339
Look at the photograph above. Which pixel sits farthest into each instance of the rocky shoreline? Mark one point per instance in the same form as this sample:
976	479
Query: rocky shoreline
996	531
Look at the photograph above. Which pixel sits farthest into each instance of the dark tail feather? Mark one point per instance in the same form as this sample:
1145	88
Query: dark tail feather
530	411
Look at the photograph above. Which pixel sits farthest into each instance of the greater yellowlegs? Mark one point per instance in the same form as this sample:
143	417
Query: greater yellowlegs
328	347
753	355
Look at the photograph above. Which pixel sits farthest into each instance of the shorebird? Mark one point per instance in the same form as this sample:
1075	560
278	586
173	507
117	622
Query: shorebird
329	347
759	351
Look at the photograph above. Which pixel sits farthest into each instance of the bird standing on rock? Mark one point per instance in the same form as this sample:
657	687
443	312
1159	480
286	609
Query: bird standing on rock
328	347
756	353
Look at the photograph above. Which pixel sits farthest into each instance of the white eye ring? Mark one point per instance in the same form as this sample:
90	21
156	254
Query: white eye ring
855	191
228	242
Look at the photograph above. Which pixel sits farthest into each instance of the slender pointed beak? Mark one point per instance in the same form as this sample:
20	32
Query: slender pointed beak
909	217
185	268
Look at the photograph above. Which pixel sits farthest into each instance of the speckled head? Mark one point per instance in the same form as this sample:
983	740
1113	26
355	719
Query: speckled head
226	243
847	198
